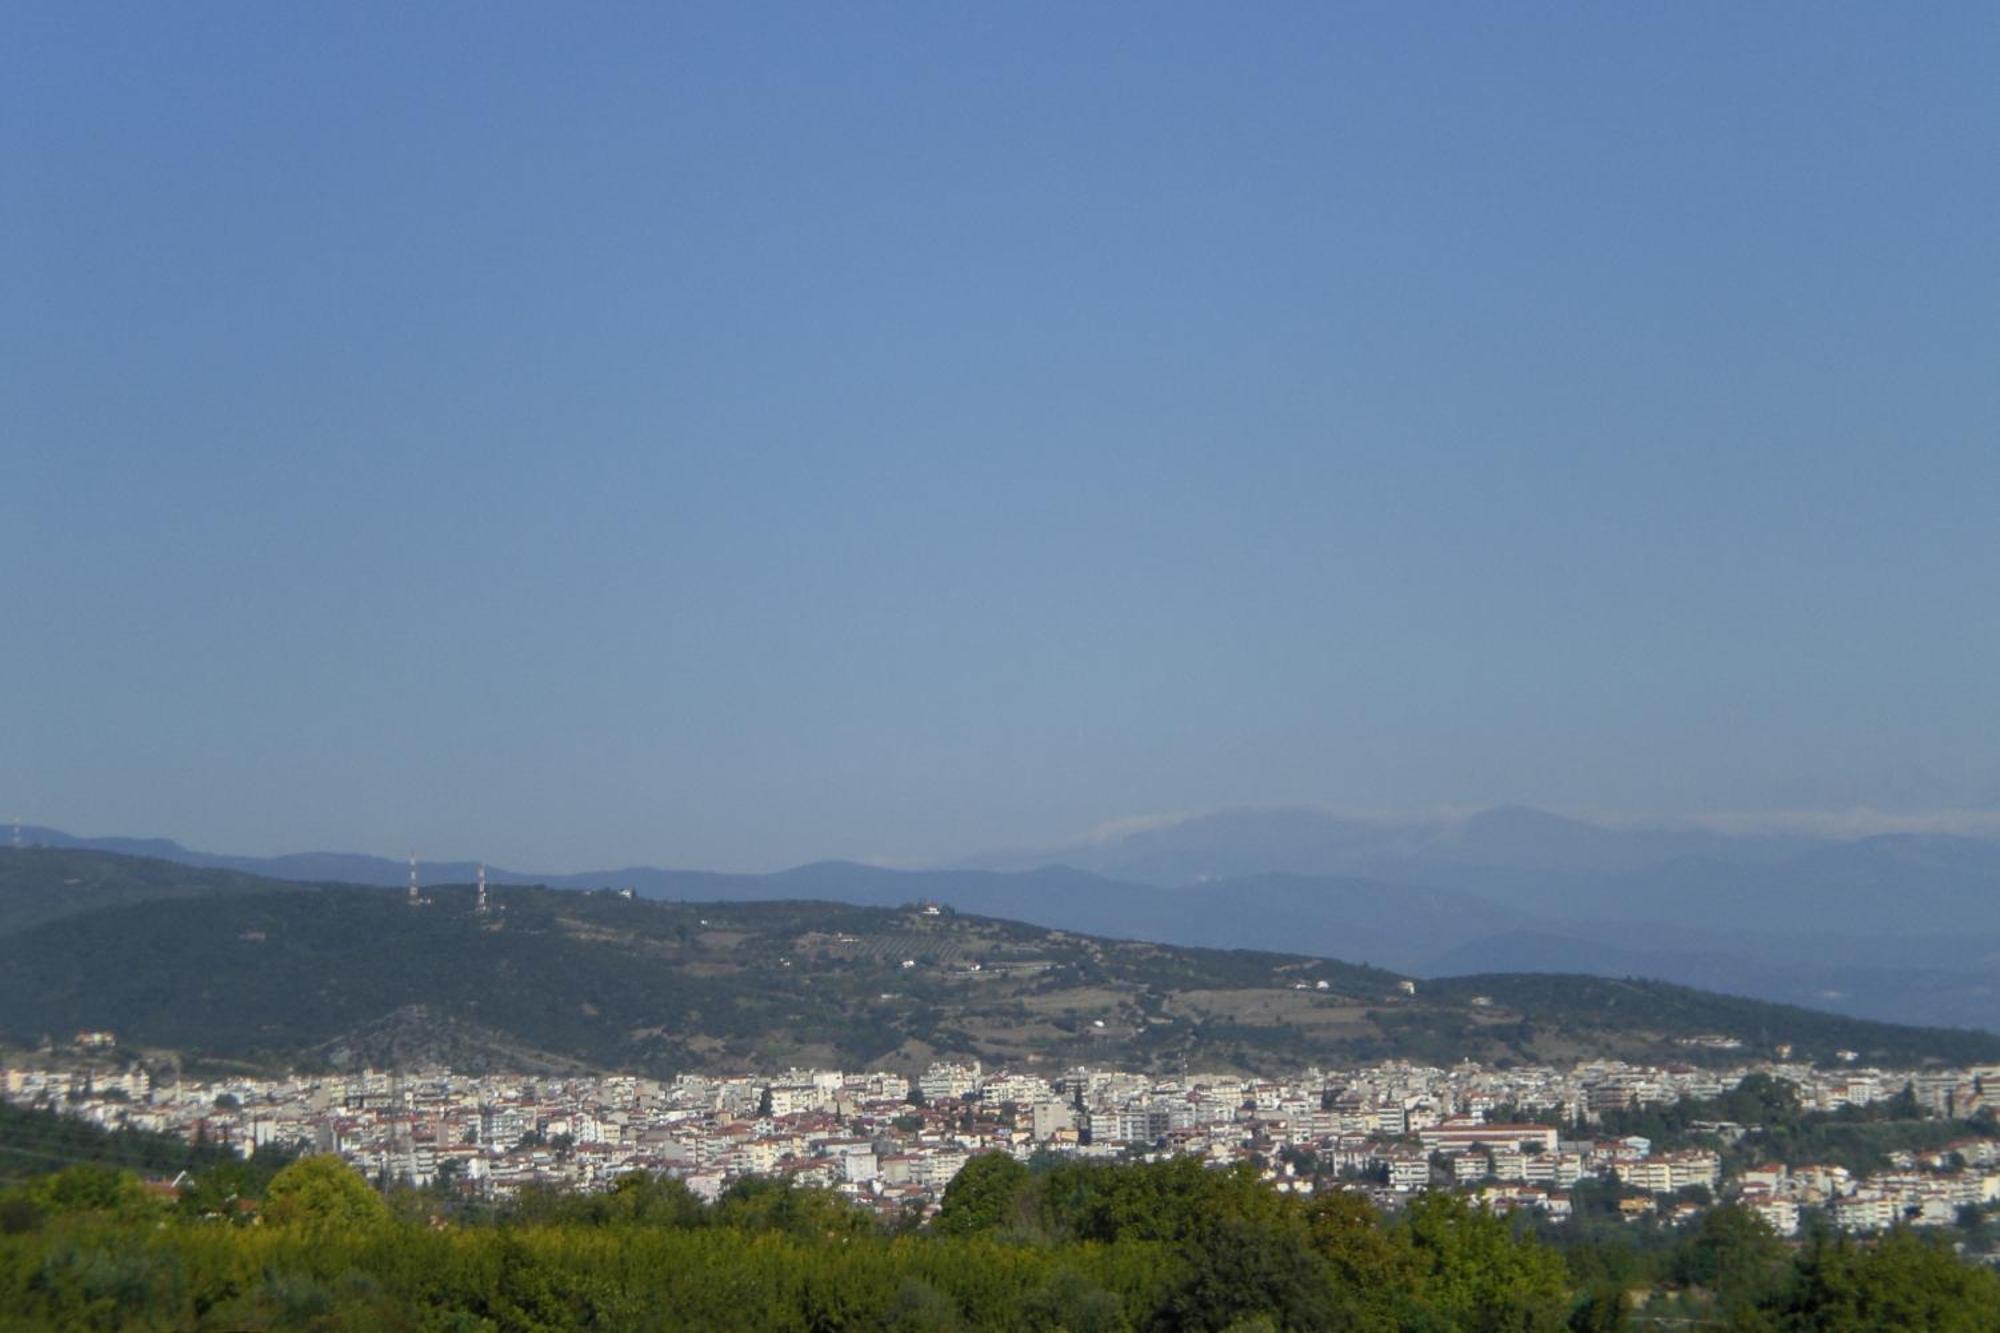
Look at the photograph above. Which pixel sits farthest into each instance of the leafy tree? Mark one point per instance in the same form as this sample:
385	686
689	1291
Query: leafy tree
218	1193
1234	1270
1071	1303
19	1214
919	1307
1158	1201
91	1187
323	1195
1735	1254
36	1142
1900	1283
1478	1273
759	1203
985	1195
1601	1309
1762	1099
1360	1250
644	1200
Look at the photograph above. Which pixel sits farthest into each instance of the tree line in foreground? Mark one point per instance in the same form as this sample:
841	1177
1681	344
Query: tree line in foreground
1057	1245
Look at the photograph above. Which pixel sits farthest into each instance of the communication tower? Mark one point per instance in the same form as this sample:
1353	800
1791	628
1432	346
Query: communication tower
481	905
414	899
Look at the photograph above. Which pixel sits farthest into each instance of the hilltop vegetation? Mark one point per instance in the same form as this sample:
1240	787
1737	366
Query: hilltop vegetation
660	987
1592	1009
1895	928
40	884
560	979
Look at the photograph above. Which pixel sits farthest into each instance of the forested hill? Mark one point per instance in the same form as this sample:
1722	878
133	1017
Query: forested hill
37	1142
561	978
40	884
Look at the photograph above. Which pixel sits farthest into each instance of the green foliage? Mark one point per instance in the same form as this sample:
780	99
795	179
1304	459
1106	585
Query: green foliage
1859	1138
1478	1273
92	1187
1735	1255
636	1200
644	1200
1600	1309
1159	1201
1760	1099
39	884
324	1196
1121	1248
35	1142
1073	1303
807	1212
1900	1283
1608	1010
1236	1270
1360	1249
984	1196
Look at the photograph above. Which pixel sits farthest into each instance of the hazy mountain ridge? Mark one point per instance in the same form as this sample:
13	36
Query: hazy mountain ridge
346	973
1897	926
1304	840
1956	994
1399	926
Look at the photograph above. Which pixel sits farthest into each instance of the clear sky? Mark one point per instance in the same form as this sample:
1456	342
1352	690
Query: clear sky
732	435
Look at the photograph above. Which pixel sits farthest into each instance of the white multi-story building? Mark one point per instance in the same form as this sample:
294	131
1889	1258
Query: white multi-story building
943	1080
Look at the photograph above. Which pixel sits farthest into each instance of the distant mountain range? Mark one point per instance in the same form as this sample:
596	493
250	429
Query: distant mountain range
1901	927
226	969
1228	843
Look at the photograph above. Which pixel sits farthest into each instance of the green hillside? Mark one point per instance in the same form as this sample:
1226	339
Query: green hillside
563	979
40	884
1591	1009
631	983
38	1141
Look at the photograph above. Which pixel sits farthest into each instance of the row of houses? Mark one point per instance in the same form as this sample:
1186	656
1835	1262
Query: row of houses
894	1142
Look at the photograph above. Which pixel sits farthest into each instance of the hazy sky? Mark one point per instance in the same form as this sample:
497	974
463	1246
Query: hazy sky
732	435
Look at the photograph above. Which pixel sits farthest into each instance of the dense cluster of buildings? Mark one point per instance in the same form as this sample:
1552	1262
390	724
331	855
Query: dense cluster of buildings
893	1143
1928	1189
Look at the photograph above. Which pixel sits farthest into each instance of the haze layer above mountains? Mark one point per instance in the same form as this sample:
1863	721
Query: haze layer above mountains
1903	927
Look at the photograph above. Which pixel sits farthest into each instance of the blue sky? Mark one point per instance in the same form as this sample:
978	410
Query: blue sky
734	435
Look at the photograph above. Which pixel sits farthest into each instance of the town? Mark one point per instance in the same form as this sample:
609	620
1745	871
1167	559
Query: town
1523	1138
